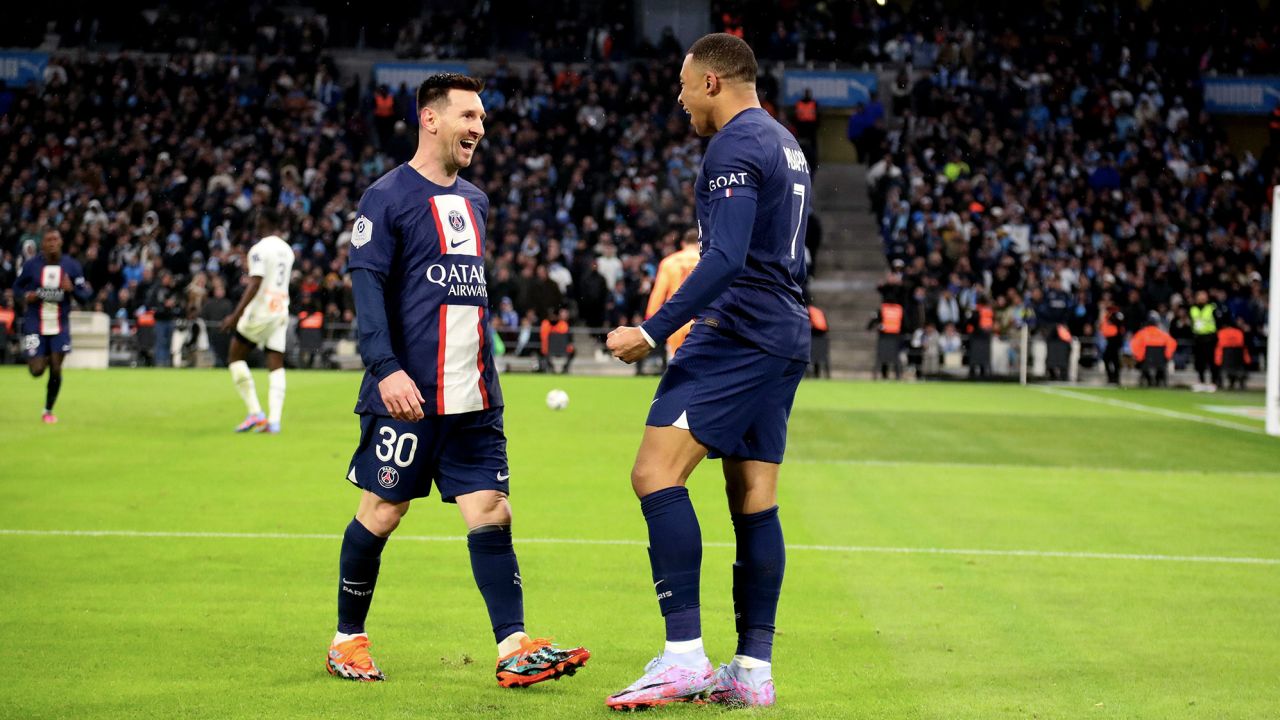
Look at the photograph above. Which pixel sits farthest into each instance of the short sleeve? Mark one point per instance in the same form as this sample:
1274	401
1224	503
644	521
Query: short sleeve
731	167
257	261
373	236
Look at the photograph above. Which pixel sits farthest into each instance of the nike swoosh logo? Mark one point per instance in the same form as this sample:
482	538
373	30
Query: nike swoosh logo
655	585
348	582
503	478
460	243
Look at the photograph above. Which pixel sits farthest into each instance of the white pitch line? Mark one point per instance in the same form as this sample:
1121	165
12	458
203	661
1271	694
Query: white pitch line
1036	468
640	543
1163	412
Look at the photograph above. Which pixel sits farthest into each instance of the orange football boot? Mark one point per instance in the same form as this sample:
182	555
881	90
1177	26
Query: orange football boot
538	660
351	660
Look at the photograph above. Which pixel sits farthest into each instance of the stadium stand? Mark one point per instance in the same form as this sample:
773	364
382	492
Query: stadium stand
1047	160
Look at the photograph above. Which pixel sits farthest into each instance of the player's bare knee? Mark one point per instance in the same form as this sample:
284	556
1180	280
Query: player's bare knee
382	518
498	514
485	508
648	478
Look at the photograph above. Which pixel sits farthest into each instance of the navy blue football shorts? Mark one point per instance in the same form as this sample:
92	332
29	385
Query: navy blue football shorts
734	398
461	454
35	345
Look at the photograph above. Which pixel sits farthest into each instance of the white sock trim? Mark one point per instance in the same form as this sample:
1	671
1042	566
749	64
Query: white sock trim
343	637
511	643
745	661
684	647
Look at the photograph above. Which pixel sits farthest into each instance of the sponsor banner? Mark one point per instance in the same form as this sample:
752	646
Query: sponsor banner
23	68
393	75
831	88
1250	95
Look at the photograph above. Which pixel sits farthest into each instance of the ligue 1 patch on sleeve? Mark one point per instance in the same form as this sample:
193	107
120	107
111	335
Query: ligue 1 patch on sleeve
362	231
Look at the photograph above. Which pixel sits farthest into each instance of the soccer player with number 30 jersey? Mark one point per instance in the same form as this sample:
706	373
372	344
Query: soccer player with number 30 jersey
728	392
430	406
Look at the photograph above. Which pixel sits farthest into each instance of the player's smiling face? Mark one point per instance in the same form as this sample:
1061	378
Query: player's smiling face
459	125
695	95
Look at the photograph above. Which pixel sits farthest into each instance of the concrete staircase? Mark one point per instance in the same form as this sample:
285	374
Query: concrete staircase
850	264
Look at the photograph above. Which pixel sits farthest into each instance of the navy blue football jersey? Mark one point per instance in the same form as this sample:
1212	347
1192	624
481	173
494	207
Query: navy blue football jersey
755	156
50	313
428	242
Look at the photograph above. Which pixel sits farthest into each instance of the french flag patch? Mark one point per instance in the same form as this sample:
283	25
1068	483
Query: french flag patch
728	192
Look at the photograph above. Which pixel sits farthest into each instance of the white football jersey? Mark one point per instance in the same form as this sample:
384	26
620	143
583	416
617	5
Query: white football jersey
272	260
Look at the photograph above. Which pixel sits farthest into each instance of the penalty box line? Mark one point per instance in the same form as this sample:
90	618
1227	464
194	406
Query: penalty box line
848	549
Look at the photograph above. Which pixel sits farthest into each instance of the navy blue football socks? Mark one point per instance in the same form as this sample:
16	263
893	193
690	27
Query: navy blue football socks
358	567
493	563
675	554
757	581
51	391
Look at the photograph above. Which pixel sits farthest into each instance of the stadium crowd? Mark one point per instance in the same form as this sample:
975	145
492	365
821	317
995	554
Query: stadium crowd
155	172
1057	165
1225	39
1067	177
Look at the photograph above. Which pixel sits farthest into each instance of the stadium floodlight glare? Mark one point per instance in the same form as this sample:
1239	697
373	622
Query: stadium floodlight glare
1273	322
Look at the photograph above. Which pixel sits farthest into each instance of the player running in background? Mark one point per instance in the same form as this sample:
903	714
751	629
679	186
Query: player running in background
728	393
430	406
47	283
672	272
262	319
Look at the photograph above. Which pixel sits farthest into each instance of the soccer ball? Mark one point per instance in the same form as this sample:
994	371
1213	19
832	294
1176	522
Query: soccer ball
557	399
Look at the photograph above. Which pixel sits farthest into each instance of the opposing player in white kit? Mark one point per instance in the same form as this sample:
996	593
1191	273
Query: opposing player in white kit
262	319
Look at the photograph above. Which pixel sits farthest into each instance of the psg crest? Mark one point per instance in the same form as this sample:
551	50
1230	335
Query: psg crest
455	221
387	476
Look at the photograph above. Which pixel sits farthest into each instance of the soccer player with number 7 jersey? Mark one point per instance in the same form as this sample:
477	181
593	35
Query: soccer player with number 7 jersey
430	406
728	392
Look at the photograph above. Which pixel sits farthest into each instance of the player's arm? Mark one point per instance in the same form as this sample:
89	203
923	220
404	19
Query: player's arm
732	219
373	245
74	283
250	290
732	167
25	286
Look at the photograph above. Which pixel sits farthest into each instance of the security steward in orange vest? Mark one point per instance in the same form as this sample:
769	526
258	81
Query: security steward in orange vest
805	117
1111	328
889	322
1229	337
980	327
1153	335
549	328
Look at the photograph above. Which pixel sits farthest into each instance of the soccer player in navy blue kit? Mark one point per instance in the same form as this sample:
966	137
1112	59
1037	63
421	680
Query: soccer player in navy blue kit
430	406
728	392
47	283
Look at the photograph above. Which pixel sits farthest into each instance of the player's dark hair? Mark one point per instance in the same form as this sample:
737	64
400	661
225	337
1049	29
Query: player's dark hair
728	56
268	221
436	87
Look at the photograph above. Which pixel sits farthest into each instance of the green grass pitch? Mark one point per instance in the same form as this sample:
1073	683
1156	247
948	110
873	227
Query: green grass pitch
1036	617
